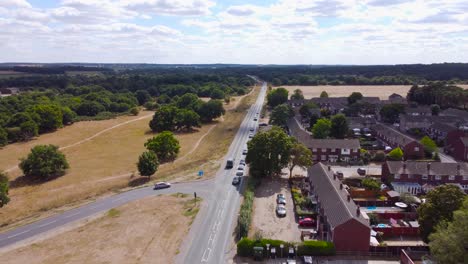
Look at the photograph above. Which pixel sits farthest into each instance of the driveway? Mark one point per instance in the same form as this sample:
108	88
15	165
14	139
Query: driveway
265	221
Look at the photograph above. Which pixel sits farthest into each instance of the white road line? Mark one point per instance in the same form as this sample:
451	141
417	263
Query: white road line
46	224
206	255
20	233
68	216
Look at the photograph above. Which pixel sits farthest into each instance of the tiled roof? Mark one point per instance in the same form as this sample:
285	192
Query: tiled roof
455	112
370	100
419	109
334	200
392	135
443	127
421	168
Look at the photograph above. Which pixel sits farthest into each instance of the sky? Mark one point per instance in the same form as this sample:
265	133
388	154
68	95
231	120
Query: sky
234	31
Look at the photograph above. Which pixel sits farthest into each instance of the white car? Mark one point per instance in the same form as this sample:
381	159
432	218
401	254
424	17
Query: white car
242	162
244	152
241	167
281	210
162	185
240	173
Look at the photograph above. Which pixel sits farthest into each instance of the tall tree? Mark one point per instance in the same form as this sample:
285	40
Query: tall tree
354	97
324	94
142	96
3	137
280	115
449	242
187	119
44	161
164	119
4	186
49	117
440	204
164	145
339	126
322	128
429	145
300	156
29	129
396	154
277	96
391	112
211	110
268	152
297	95
147	163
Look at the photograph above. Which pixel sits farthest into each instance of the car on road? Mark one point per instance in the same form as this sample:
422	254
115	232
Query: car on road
244	152
361	171
242	162
306	222
280	199
236	180
240	173
263	124
252	129
251	135
281	210
162	185
255	119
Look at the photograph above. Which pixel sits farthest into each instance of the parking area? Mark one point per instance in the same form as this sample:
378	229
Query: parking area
351	171
264	219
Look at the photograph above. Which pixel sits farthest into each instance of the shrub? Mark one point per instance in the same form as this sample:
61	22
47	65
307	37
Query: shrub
245	247
370	184
245	214
316	248
379	156
396	154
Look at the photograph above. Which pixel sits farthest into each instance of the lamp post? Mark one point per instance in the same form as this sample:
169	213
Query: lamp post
268	250
281	246
295	247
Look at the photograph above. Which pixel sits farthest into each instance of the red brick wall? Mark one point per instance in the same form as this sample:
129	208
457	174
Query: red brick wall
351	236
410	153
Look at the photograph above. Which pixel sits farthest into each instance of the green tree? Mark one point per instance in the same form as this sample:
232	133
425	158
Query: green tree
429	145
449	242
435	109
164	119
4	186
29	129
189	101
297	95
68	116
324	94
3	137
187	119
313	120
277	96
268	152
50	117
90	108
280	115
134	111
164	145
339	126
44	161
370	184
354	97
304	109
440	204
322	128
217	94
300	156
147	163
142	96
17	119
396	154
211	110
391	112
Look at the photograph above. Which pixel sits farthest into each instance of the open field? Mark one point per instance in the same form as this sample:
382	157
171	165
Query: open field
103	159
144	231
381	91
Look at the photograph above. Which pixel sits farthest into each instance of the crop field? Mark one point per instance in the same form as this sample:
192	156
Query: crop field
103	156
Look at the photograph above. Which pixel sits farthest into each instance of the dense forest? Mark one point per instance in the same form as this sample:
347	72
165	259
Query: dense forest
48	102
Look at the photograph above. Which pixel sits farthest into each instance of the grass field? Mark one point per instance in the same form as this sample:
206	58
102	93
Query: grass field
381	91
106	162
144	231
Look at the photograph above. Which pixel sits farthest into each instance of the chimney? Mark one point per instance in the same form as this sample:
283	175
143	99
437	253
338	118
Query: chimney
349	198
358	211
341	186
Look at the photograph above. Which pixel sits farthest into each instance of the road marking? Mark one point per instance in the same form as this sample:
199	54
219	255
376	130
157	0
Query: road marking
207	253
68	216
20	233
46	224
210	241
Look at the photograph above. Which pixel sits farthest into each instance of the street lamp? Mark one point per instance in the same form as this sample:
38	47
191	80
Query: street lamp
281	246
295	247
268	250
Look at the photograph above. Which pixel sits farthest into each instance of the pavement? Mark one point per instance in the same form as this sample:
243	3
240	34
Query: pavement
210	237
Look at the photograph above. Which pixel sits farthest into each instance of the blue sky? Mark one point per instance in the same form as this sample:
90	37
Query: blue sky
234	31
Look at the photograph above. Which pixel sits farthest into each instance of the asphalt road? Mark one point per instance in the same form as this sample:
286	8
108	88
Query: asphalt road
209	238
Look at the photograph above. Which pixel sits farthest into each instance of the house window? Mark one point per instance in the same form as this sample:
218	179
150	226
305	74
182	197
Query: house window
438	177
397	176
314	150
424	177
416	148
451	178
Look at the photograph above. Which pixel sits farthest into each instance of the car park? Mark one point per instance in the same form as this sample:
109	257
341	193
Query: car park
281	210
162	185
361	171
240	173
307	222
236	180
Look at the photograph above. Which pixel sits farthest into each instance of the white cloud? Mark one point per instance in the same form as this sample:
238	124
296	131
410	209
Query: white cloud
170	7
14	3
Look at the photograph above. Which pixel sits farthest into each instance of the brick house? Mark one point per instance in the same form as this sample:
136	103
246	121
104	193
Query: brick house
330	150
457	144
412	149
426	173
419	111
340	220
334	104
438	131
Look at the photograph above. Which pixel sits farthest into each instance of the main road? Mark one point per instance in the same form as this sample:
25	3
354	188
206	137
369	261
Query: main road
209	238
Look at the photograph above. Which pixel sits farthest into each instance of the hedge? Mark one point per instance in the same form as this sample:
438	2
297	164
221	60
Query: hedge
309	248
304	213
245	214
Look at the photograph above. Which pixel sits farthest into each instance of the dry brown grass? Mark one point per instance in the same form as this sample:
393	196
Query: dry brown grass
144	231
107	162
382	91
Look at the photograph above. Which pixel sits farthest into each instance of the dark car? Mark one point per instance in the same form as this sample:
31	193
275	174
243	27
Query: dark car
162	185
236	180
339	174
361	171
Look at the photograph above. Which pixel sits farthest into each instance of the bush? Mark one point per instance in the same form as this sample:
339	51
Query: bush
304	213
379	156
245	213
245	247
316	248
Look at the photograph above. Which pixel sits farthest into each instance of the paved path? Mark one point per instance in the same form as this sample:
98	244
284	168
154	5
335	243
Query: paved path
211	234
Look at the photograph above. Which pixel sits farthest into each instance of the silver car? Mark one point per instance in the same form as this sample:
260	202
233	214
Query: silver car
240	173
281	210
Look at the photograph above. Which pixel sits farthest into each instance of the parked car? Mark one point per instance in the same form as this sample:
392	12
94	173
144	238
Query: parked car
242	162
244	152
361	171
162	185
255	119
306	222
251	135
280	199
339	174
281	210
236	180
241	167
252	129
263	124
308	260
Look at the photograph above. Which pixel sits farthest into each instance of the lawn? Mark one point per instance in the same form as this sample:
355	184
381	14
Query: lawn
382	91
142	231
106	162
